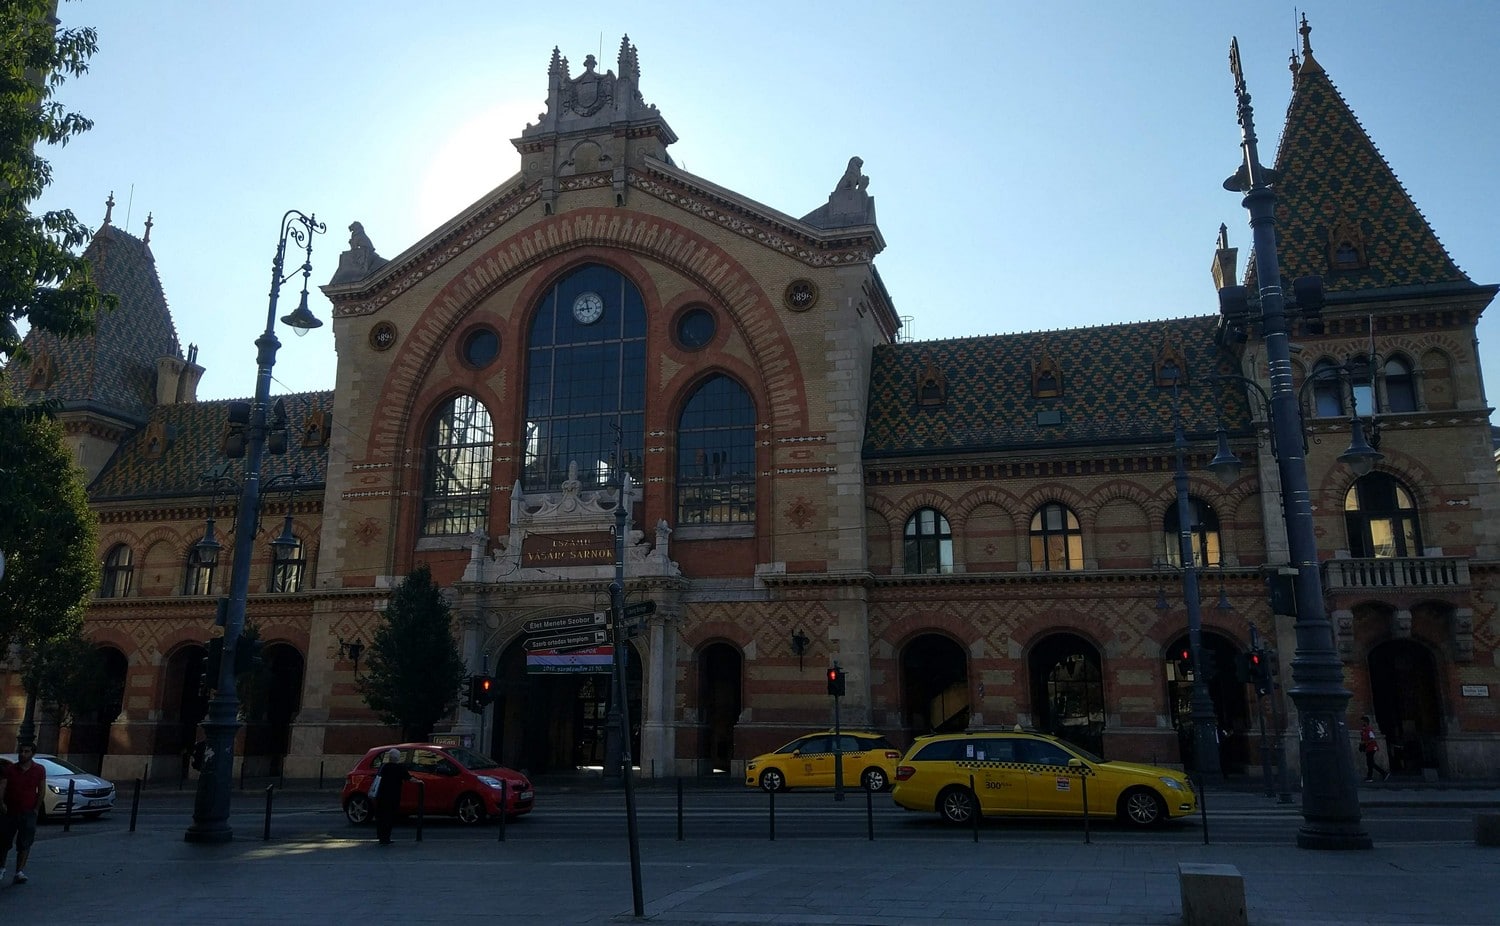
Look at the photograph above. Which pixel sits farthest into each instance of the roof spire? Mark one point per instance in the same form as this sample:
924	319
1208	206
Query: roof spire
109	207
147	239
1308	64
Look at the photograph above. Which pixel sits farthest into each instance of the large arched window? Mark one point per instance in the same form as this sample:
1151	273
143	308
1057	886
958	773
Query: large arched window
1203	523
1056	540
118	572
1400	388
585	377
197	576
1381	518
456	484
716	455
928	543
288	564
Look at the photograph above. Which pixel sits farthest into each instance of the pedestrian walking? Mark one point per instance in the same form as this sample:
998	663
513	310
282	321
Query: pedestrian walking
386	791
1369	746
21	785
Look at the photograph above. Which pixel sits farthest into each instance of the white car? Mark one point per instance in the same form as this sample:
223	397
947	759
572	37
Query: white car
92	795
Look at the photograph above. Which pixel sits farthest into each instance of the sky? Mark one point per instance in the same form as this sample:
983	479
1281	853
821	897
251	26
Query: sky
1034	165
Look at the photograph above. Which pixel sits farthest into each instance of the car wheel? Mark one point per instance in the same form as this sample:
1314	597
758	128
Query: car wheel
358	809
874	779
772	780
470	809
957	805
1142	807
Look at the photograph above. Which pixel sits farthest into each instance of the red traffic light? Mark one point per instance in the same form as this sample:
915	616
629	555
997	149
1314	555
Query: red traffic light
1255	659
1185	655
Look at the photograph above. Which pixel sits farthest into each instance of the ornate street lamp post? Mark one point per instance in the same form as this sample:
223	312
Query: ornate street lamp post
1330	797
211	807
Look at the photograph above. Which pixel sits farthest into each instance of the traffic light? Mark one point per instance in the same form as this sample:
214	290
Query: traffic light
247	655
471	694
1260	672
836	681
484	690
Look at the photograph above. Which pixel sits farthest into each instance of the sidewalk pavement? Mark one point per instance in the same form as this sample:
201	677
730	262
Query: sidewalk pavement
152	877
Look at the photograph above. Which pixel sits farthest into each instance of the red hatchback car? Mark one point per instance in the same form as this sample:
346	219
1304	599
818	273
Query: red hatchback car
457	782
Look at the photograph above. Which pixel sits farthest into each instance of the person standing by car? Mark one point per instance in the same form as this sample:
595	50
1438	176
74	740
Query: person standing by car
386	790
20	795
1369	746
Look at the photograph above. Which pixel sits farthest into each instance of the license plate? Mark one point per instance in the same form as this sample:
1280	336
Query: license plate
524	796
99	803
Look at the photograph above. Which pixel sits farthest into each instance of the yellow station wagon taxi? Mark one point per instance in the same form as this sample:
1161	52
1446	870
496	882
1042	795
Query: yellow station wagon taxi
1031	774
868	759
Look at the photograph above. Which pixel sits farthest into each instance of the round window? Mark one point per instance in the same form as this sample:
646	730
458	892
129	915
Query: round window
695	328
481	346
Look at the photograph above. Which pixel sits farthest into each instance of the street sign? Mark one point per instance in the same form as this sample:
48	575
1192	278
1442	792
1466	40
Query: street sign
566	622
640	609
566	640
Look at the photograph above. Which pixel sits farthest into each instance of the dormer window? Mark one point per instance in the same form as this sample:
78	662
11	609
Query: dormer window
932	387
1046	378
1346	247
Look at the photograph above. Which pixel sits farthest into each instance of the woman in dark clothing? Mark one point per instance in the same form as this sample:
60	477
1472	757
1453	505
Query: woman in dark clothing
389	779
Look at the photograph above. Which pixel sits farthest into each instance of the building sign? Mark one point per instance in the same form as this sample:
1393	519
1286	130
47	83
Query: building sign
594	548
1476	691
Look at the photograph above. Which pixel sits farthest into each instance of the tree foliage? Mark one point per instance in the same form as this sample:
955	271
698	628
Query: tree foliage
42	279
415	669
48	533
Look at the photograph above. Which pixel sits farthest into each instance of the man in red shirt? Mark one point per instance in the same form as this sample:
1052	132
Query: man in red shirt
20	795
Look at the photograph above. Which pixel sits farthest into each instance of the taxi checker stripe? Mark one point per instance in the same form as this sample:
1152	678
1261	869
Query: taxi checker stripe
1038	767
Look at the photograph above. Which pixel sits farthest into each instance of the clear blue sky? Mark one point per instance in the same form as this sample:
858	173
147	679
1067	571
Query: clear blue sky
1035	165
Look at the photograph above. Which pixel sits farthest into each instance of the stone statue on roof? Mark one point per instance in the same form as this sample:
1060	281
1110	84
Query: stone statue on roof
360	260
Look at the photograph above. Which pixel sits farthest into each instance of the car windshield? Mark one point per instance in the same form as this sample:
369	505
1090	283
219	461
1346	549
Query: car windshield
1085	754
470	759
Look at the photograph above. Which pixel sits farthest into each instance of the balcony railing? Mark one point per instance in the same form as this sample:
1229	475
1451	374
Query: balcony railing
1395	573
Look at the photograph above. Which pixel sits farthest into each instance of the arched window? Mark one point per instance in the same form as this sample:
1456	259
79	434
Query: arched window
928	543
456	487
1400	388
197	576
287	567
716	455
1381	518
1328	390
118	572
1056	541
585	376
1203	523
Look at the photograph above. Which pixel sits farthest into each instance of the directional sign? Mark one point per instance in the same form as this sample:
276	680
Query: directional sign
566	640
640	609
567	622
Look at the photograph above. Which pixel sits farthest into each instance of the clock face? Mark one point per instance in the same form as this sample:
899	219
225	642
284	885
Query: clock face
587	308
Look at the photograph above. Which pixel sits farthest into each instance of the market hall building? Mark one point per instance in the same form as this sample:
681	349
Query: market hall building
981	532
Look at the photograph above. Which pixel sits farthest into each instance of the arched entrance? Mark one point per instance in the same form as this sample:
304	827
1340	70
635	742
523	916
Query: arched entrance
1229	696
272	695
934	686
556	720
1408	713
88	740
184	701
1067	690
720	669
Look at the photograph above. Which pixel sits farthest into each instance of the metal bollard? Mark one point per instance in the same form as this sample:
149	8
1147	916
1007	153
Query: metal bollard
242	773
135	804
679	809
68	811
320	776
501	827
1203	808
265	835
772	793
1083	781
975	795
421	807
870	812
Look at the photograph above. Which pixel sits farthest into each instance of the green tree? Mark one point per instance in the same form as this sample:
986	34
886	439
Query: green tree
415	669
42	279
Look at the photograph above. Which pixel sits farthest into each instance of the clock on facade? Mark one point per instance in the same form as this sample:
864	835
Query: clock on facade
587	308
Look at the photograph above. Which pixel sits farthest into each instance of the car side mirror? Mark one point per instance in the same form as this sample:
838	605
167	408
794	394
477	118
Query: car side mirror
1075	763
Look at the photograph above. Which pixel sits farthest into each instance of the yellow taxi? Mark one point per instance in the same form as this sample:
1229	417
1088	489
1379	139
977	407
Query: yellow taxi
1018	773
868	759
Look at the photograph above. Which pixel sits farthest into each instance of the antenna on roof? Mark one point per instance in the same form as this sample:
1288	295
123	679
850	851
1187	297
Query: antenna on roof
128	203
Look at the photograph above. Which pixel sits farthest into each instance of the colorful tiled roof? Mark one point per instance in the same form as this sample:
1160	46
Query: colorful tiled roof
180	443
1109	392
114	369
1335	182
